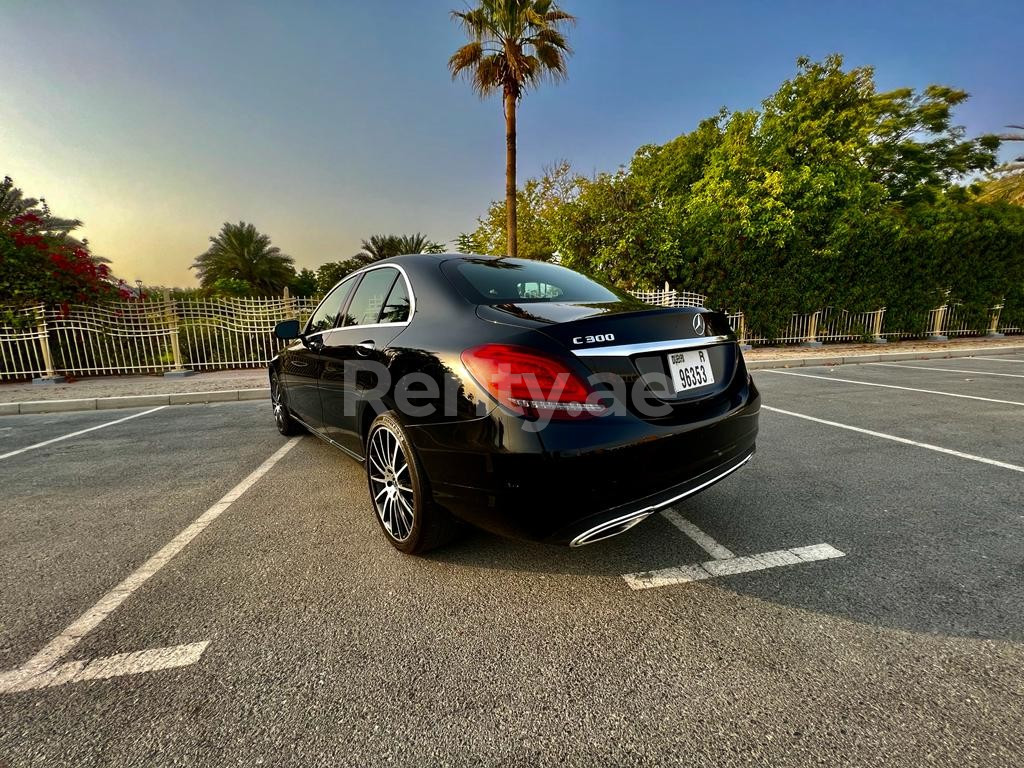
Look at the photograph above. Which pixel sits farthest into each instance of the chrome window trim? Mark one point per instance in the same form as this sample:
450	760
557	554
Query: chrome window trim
358	274
312	314
627	350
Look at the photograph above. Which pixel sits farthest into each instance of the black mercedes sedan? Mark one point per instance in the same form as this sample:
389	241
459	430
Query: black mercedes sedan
518	396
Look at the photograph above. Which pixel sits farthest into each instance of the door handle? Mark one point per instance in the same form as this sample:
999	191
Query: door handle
365	348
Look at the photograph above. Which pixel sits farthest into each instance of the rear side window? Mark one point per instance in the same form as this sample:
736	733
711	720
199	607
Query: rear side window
396	306
368	300
504	281
324	316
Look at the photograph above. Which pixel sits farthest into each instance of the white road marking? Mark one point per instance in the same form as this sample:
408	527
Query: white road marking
80	432
969	371
996	359
891	386
61	645
897	439
700	538
133	663
685	574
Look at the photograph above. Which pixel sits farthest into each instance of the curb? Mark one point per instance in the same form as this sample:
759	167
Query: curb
881	357
134	401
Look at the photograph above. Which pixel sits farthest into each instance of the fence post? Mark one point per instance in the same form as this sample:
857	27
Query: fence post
289	305
741	322
51	376
993	328
938	319
876	332
179	371
812	332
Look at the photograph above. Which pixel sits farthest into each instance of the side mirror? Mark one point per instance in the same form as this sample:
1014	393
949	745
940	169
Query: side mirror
287	330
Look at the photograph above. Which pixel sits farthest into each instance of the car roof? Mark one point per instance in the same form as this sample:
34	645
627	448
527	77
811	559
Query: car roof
421	257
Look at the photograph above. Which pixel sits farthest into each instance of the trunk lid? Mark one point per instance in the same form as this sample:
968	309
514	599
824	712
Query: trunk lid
632	340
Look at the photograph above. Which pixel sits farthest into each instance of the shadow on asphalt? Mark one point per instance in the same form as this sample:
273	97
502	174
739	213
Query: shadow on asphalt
909	563
886	591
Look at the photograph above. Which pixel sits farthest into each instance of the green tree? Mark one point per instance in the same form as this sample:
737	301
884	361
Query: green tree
328	275
513	45
241	252
830	194
614	230
537	208
474	242
304	283
41	262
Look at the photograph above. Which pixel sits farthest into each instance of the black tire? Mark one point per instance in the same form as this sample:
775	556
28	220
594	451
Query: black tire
286	424
400	493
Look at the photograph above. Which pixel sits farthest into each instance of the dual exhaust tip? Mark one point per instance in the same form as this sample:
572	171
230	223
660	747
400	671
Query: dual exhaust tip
610	528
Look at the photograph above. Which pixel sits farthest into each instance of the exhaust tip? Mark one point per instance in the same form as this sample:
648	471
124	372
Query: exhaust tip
609	528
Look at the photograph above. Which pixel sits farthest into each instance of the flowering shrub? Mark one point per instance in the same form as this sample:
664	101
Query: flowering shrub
40	266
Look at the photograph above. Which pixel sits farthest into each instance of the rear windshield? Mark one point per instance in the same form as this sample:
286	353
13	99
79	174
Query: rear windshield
504	281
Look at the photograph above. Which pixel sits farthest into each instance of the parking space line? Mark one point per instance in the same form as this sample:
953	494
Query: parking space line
698	536
997	359
133	663
686	574
897	439
61	645
948	370
9	454
892	386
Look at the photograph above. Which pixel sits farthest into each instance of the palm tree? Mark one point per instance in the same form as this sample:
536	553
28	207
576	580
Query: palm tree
240	252
514	45
419	244
13	203
1007	181
385	246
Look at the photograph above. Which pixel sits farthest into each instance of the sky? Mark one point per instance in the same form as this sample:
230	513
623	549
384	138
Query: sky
155	121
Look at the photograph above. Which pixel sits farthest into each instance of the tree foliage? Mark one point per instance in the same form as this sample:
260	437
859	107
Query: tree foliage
304	283
537	207
41	262
831	193
375	248
242	258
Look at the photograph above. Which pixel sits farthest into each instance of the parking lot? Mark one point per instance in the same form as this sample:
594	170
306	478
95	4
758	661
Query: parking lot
182	585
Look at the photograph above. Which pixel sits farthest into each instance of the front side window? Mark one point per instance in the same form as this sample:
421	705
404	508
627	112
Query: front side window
325	315
368	300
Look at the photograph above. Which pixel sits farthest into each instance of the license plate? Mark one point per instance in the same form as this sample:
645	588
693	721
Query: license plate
690	369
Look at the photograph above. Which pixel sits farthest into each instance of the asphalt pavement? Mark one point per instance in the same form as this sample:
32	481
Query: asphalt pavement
318	644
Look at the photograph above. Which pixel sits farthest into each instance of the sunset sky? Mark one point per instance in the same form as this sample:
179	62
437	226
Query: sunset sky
323	123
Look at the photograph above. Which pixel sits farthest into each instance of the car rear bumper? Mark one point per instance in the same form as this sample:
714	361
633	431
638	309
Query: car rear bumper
578	483
611	522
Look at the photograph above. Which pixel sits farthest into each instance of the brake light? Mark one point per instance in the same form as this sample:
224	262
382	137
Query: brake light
530	383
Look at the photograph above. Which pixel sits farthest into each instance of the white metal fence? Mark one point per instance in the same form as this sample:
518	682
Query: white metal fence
150	336
160	335
834	325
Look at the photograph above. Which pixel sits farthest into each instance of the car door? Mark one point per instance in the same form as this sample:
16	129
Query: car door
302	363
355	353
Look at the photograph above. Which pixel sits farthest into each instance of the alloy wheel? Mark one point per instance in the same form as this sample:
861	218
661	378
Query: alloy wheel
390	484
275	399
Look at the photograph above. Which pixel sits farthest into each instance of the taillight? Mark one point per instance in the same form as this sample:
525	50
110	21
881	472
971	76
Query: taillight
530	383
